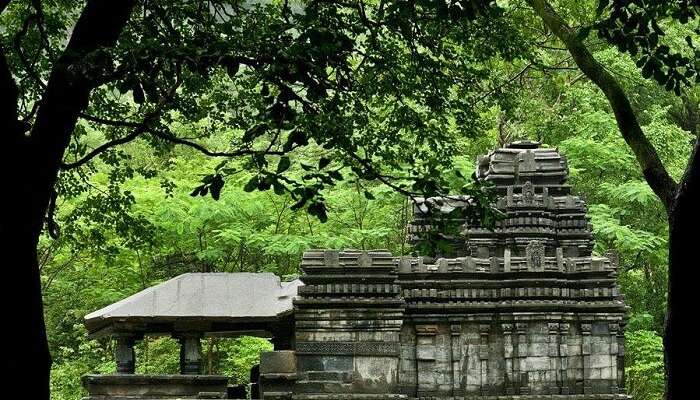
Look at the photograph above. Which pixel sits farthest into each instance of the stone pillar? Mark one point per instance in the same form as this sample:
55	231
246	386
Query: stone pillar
190	353
554	374
509	376
484	358
561	267
613	329
520	361
586	356
564	358
426	357
124	353
506	259
456	357
621	360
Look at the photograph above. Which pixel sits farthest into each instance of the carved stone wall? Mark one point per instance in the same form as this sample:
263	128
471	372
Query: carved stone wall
522	310
488	331
348	319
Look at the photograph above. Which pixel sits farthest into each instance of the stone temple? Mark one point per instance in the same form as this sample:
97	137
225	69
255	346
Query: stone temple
520	311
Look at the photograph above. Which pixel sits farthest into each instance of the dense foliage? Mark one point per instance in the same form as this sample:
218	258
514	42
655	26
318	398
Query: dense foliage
169	232
312	124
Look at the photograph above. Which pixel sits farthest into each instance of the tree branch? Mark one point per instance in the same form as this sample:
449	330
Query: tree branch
8	100
653	169
168	137
67	93
39	8
17	41
110	122
3	5
510	80
139	128
104	147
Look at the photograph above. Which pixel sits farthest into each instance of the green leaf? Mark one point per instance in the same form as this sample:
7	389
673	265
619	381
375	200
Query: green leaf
208	178
323	162
264	184
299	204
318	209
197	191
215	186
295	137
278	188
254	132
306	167
283	164
335	174
252	184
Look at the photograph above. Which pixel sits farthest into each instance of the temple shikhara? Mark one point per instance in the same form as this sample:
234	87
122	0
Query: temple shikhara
520	311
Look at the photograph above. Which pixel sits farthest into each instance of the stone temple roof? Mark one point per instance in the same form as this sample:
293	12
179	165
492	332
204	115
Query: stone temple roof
525	161
535	202
200	300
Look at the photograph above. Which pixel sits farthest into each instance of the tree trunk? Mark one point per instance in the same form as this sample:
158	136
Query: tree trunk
29	181
27	348
683	222
680	200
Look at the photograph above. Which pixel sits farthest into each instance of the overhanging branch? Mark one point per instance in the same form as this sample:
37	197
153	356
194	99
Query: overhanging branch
110	122
104	147
653	169
236	153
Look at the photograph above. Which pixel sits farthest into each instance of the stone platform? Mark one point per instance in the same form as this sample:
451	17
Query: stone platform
131	386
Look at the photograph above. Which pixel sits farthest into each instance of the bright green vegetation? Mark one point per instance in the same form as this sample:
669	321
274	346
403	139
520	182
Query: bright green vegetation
163	231
408	102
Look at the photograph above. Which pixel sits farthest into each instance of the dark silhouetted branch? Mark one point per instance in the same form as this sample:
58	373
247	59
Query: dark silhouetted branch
653	169
236	153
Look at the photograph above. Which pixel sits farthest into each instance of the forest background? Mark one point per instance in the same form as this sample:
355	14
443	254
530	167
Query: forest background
123	229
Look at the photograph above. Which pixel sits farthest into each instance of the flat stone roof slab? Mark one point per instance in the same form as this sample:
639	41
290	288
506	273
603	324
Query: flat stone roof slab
220	297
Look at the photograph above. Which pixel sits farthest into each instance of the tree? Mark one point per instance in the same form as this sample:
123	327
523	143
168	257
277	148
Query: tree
624	27
40	155
384	89
281	77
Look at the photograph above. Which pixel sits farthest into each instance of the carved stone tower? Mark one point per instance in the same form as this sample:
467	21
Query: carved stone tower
522	310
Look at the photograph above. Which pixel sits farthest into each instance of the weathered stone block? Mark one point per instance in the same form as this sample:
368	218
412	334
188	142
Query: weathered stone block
283	361
600	360
537	363
538	349
425	353
152	386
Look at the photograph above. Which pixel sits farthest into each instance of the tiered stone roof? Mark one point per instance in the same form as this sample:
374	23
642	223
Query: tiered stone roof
519	310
